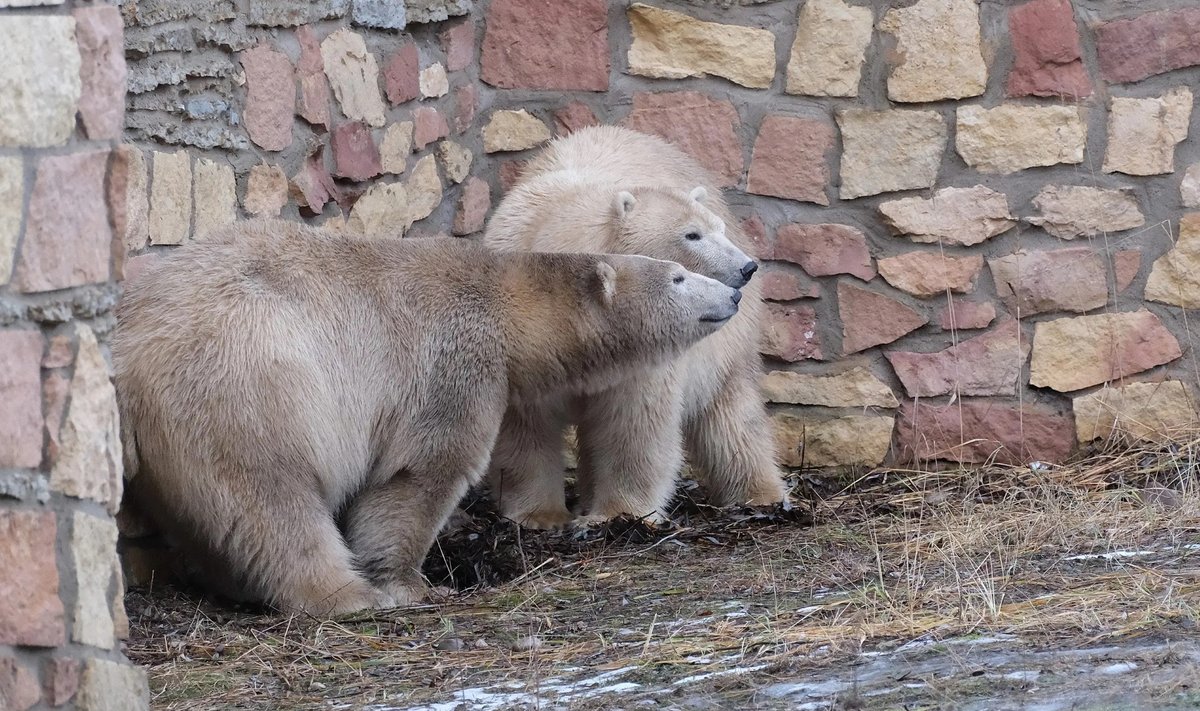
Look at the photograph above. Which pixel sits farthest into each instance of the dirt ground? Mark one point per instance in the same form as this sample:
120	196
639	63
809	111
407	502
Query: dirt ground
997	588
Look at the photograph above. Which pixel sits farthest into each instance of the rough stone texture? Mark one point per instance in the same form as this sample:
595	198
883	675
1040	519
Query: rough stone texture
672	45
1012	137
1032	283
397	144
473	207
966	314
12	198
99	32
885	151
315	96
402	75
108	686
40	76
558	45
1156	42
89	459
974	432
60	680
1126	264
68	241
60	353
926	274
354	76
1140	411
434	82
988	364
393	208
270	97
1070	211
1143	133
456	160
424	190
513	131
137	197
170	198
699	125
959	216
20	398
756	240
856	387
1189	186
55	389
32	613
429	125
1047	60
354	152
780	285
857	440
466	101
270	13
789	159
872	319
1175	276
266	191
19	689
93	551
825	250
214	197
421	11
574	116
458	42
938	50
386	14
1075	353
790	333
827	57
313	186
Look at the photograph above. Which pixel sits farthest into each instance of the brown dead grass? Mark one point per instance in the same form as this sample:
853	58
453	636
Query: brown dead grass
1096	551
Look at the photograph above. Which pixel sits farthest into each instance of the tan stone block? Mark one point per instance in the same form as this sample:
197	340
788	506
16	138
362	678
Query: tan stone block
1175	276
19	688
938	51
827	57
424	188
1079	352
1143	133
1070	211
354	76
1012	137
513	131
109	686
959	216
1142	411
170	198
381	211
988	364
884	151
456	160
857	387
1189	186
854	441
1037	282
12	206
214	198
266	191
40	76
434	82
396	146
93	555
137	199
926	274
672	45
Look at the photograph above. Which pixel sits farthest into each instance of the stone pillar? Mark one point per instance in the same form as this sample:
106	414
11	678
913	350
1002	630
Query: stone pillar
62	204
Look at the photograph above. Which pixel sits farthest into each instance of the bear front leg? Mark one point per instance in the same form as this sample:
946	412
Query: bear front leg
631	448
732	449
392	526
527	468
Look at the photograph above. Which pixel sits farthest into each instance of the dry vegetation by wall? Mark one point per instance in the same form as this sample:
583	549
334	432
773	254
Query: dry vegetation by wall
62	616
973	216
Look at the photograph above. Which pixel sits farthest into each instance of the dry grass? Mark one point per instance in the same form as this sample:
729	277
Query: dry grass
1103	550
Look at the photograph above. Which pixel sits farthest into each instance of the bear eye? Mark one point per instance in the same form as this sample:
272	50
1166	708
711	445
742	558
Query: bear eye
678	279
692	236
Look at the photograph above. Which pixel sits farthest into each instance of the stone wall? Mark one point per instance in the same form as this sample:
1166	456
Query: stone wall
973	216
62	84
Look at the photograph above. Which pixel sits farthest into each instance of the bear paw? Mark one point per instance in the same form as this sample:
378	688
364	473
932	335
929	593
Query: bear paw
546	520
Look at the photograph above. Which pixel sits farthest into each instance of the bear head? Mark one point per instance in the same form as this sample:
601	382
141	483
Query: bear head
675	225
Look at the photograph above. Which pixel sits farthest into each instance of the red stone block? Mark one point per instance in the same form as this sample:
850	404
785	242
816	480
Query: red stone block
756	243
974	432
1154	43
572	117
355	153
402	75
315	95
825	250
510	172
20	398
1047	59
466	100
68	239
780	285
458	42
473	207
546	44
790	333
988	364
60	680
270	97
100	34
429	125
32	613
19	689
966	314
789	159
872	319
1126	264
703	127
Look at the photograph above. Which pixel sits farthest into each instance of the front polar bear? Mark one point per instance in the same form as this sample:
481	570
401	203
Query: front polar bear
612	190
301	411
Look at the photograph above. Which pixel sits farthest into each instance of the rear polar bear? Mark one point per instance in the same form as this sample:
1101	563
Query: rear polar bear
612	190
301	411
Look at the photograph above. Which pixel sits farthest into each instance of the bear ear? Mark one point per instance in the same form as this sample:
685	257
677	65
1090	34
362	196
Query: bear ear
624	203
699	193
605	281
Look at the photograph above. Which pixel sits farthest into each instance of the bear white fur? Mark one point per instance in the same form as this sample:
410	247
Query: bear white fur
612	190
301	411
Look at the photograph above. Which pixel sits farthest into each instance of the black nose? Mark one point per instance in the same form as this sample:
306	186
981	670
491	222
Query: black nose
748	269
737	296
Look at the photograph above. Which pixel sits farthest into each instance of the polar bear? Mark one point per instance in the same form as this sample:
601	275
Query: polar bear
301	411
612	190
